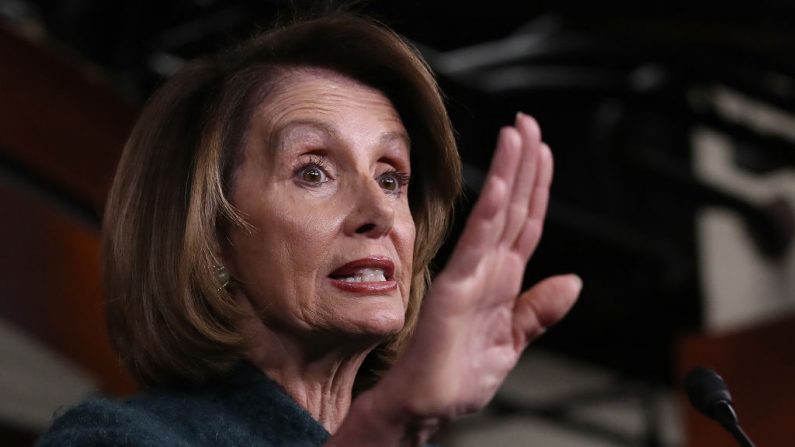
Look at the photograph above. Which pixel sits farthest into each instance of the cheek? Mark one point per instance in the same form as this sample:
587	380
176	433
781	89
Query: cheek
406	235
286	242
302	236
411	235
405	250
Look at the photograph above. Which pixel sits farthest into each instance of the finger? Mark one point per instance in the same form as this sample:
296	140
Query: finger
526	171
546	167
542	306
501	174
527	240
484	224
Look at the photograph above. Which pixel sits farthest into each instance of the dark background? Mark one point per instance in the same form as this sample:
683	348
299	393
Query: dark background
612	85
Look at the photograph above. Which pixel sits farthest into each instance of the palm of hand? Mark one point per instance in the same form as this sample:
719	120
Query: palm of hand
472	328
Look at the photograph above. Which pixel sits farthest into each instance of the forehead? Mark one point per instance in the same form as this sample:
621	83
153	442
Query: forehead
308	93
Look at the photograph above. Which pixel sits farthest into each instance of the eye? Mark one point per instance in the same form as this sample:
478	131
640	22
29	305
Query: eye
393	181
312	174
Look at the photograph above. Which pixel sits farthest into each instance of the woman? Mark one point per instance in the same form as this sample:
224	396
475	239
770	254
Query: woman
267	246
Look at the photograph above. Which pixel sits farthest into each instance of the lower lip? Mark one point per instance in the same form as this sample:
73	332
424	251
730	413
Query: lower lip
365	287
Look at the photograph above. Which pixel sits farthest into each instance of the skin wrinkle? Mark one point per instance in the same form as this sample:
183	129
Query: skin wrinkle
308	335
298	104
306	128
322	398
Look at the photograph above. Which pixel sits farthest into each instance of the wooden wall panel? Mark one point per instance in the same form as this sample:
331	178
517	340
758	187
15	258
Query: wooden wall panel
61	121
49	268
62	128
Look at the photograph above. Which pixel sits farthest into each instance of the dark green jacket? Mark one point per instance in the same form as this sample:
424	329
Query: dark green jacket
243	409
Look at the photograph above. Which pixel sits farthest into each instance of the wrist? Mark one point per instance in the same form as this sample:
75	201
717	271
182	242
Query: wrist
373	420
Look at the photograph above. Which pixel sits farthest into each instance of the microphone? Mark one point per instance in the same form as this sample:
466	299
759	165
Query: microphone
708	394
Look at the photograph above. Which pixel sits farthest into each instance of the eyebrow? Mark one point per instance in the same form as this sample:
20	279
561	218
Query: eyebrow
279	134
277	137
399	136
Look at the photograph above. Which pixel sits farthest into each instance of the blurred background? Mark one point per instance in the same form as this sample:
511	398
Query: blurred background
673	129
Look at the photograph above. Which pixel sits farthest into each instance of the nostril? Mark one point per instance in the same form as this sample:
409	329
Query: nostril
366	228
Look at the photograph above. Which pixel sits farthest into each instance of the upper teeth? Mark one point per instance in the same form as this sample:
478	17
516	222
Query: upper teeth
366	275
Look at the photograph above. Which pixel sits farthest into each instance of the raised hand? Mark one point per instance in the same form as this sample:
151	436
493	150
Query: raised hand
474	323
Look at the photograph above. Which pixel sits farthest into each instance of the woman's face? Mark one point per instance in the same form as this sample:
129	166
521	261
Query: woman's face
324	184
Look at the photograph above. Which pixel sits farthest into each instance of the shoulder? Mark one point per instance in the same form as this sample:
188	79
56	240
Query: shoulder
242	408
154	419
106	422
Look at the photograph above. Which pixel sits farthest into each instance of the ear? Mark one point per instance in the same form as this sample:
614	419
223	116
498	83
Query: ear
220	247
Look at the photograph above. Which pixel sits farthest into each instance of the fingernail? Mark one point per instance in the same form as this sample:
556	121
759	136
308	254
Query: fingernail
577	278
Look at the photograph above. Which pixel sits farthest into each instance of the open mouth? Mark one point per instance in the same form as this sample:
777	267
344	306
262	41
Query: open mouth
365	274
361	275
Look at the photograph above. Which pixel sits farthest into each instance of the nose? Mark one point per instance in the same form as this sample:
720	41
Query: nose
372	213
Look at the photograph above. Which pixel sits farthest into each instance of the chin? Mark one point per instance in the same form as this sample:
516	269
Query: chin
380	322
385	325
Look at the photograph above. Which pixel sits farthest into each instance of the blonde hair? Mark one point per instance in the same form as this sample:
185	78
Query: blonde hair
169	317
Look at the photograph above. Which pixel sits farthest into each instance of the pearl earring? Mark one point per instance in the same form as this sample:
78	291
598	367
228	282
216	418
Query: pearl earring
222	274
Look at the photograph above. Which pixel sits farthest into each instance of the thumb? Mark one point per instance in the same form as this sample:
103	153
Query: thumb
543	305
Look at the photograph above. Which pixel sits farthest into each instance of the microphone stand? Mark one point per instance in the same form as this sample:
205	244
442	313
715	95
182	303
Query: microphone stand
725	415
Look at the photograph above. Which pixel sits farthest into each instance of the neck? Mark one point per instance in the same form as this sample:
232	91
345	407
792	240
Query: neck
320	380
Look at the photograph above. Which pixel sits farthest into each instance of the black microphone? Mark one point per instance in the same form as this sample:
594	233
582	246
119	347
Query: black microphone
708	393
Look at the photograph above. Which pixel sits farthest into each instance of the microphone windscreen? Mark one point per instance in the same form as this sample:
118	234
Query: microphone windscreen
705	388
